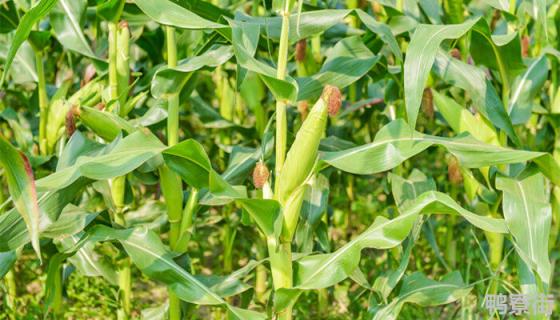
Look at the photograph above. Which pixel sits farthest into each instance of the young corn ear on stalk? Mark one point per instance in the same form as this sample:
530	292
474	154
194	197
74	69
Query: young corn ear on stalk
302	156
123	68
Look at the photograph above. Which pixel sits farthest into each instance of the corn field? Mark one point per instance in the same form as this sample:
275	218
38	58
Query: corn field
279	159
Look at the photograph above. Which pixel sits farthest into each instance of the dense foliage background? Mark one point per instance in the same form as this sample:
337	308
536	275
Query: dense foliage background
277	159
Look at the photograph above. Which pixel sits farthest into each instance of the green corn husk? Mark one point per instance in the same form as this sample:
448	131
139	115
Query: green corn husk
303	153
55	126
291	213
132	103
104	124
88	95
123	69
302	157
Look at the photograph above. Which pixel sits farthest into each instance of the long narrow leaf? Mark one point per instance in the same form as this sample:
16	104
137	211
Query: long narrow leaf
420	56
24	28
21	185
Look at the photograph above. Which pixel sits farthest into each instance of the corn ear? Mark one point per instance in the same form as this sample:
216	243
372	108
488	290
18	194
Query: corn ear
104	124
132	103
88	95
117	194
303	153
55	125
291	212
123	69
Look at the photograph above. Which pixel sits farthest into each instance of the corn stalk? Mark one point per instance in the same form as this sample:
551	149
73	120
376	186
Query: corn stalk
118	77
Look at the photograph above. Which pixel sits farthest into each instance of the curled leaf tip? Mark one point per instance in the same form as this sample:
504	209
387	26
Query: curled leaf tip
301	47
260	175
333	97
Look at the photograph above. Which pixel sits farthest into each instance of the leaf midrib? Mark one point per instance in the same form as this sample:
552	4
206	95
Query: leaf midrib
75	25
179	270
526	211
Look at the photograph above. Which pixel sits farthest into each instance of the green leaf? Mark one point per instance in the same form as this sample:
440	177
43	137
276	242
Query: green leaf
127	155
110	10
324	270
170	81
499	4
347	62
205	9
462	120
87	261
7	261
149	254
221	191
208	115
541	19
383	31
23	68
420	57
266	214
78	146
406	190
245	38
21	184
156	313
29	19
39	40
169	13
473	80
386	283
229	285
311	23
420	290
66	21
397	142
525	88
190	161
241	161
499	52
13	232
72	220
9	18
527	212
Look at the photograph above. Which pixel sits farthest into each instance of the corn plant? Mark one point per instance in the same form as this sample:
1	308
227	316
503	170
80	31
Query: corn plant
279	159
